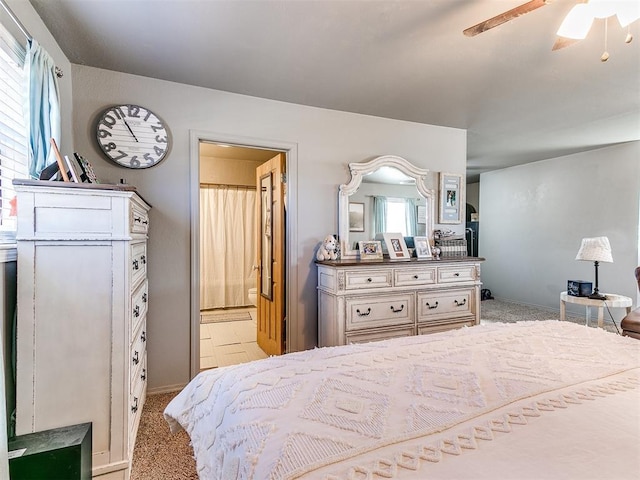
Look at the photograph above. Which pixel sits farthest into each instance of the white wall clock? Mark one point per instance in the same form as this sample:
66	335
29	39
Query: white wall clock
132	136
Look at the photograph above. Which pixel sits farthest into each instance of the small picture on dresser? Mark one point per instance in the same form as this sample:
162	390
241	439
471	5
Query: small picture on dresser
423	250
396	246
370	250
86	169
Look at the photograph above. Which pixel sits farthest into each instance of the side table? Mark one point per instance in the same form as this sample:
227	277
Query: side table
612	301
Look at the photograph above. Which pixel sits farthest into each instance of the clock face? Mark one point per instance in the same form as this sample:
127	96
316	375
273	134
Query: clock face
132	136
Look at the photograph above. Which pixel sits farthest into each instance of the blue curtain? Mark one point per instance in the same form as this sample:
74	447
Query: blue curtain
42	109
379	214
412	216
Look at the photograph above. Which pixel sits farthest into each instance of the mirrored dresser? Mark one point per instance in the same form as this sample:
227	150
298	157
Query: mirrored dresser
363	301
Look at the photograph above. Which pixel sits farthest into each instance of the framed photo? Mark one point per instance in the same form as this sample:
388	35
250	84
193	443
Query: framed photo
87	175
451	200
370	250
73	170
396	246
356	217
423	250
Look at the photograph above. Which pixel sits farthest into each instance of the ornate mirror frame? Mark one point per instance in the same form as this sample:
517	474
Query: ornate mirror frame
358	171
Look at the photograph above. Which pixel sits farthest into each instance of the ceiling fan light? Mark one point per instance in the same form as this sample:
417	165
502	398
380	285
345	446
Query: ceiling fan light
577	23
628	12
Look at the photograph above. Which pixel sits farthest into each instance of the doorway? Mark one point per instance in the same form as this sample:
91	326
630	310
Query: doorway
229	262
230	149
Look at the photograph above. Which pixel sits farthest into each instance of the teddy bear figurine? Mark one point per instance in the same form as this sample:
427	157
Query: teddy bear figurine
328	249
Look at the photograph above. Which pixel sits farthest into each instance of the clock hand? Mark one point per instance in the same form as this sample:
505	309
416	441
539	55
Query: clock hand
130	131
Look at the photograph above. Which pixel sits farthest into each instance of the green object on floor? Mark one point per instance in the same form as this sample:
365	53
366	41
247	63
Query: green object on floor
58	454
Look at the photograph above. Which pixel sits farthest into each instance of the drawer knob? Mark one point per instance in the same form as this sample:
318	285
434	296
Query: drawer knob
457	274
135	359
396	310
143	336
431	307
143	259
143	376
460	304
134	407
364	314
369	280
416	277
135	265
136	311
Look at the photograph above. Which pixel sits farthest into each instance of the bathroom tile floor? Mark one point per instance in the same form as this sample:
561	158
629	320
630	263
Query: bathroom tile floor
229	343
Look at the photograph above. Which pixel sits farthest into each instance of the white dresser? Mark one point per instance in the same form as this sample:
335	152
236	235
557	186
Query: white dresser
82	304
362	301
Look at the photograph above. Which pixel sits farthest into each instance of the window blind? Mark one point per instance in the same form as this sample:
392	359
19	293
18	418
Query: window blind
13	141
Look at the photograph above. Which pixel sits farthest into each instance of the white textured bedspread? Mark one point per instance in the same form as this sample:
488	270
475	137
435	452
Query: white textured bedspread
527	400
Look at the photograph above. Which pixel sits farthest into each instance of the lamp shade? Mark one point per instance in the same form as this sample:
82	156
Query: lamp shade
596	249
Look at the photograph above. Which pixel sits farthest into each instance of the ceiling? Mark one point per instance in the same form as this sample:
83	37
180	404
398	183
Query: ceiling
407	60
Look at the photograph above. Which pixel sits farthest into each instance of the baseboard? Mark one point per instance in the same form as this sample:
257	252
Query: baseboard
166	389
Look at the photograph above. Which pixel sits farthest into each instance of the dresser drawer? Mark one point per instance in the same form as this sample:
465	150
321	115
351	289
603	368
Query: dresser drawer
137	397
414	276
363	337
371	279
457	274
443	327
139	303
138	219
137	351
379	311
138	262
447	304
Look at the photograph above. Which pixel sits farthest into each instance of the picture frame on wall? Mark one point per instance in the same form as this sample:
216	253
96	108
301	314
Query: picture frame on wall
396	246
422	247
451	198
356	217
370	249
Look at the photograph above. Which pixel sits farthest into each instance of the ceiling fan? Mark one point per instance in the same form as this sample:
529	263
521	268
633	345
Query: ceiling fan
576	24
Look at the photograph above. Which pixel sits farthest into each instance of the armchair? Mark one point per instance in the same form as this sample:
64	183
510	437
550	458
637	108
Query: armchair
631	323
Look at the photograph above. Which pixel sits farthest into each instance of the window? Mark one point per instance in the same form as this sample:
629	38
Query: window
397	216
13	139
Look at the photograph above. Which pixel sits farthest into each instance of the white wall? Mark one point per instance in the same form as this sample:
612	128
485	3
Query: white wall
327	141
533	218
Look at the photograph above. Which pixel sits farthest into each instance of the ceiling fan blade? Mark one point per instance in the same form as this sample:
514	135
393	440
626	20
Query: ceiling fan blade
505	17
562	42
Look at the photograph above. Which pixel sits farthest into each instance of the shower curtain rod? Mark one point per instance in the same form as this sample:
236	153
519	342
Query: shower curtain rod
224	185
24	31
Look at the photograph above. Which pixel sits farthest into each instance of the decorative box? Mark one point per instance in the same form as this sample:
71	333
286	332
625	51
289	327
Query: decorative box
579	288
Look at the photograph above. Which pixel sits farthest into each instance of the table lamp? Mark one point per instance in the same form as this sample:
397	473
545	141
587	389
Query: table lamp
595	250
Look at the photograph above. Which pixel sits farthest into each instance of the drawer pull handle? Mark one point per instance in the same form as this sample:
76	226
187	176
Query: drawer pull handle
136	311
143	376
460	304
136	359
135	265
363	314
134	407
431	307
397	310
146	222
143	336
143	259
137	219
457	274
144	297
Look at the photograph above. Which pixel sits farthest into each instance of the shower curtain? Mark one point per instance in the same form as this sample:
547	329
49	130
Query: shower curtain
227	245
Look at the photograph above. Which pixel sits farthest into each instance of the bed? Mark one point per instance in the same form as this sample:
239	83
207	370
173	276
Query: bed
542	399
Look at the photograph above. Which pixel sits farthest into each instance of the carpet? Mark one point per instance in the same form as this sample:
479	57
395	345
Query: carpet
224	316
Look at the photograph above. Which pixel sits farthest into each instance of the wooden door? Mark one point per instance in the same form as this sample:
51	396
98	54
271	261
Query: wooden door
270	210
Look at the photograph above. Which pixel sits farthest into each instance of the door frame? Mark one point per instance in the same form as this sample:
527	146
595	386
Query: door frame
291	244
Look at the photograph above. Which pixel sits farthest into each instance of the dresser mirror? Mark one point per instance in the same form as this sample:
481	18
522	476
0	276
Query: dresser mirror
387	193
